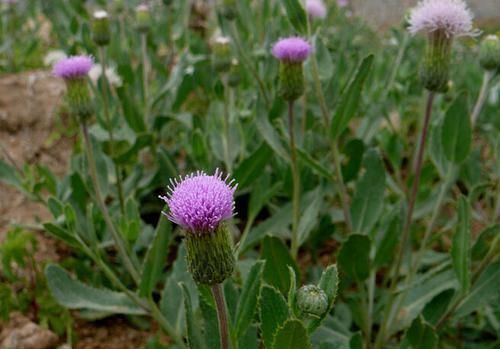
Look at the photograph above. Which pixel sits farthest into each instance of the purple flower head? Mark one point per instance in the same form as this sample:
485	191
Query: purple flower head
199	202
452	17
292	49
316	8
73	67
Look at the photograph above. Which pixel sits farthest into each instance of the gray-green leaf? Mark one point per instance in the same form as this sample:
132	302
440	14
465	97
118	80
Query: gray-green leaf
460	250
273	311
354	257
296	15
456	134
74	294
293	335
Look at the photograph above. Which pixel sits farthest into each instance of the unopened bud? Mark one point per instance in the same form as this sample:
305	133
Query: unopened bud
100	28
210	256
143	18
489	53
222	54
312	301
234	73
228	9
435	71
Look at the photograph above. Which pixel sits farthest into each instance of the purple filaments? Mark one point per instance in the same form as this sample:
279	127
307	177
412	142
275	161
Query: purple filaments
293	49
200	202
452	17
73	67
316	8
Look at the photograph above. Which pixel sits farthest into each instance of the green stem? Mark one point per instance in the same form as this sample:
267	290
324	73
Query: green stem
144	52
122	249
248	63
296	183
109	126
344	197
244	237
225	138
218	295
388	311
371	299
482	97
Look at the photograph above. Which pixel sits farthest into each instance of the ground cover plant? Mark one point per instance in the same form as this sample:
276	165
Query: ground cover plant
263	174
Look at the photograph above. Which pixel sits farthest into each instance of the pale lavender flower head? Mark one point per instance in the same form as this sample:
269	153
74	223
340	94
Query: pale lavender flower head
342	3
73	67
452	17
200	202
292	49
316	8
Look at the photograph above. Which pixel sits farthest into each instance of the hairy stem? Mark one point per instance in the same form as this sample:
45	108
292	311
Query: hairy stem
482	97
386	322
296	183
218	294
120	244
105	102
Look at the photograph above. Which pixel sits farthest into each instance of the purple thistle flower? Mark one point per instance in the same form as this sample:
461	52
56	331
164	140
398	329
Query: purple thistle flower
73	67
452	17
316	8
199	202
292	49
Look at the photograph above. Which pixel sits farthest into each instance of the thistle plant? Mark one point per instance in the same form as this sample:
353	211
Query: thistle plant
200	204
292	52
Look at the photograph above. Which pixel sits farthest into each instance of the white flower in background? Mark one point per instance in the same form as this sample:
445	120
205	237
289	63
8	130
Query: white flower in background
54	56
111	74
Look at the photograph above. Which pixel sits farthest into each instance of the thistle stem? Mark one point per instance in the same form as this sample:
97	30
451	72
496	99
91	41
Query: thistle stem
225	138
145	91
344	198
218	295
105	102
120	245
296	183
482	97
407	224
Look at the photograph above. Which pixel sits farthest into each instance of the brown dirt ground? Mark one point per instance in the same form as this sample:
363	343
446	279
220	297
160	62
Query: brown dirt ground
29	134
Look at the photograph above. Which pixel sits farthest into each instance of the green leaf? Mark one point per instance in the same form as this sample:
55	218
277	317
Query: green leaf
388	243
292	335
195	340
248	300
277	261
482	246
8	175
62	234
156	257
310	215
456	132
273	311
329	283
350	98
460	250
211	323
485	289
251	168
368	199
143	140
437	306
296	15
314	164
356	341
354	257
73	294
292	291
325	62
270	135
421	335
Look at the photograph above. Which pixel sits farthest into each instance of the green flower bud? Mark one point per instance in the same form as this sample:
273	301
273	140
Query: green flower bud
233	78
100	28
228	9
143	18
312	301
489	53
291	80
118	6
435	71
222	54
78	98
210	256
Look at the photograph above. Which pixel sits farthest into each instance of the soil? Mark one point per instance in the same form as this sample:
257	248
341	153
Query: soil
30	133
